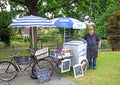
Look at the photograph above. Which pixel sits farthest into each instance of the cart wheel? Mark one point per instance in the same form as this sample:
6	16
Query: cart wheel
84	64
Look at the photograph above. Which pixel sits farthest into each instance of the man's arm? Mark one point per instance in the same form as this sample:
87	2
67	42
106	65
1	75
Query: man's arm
84	37
99	43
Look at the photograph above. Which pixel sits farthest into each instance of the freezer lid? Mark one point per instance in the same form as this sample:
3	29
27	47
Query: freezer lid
74	43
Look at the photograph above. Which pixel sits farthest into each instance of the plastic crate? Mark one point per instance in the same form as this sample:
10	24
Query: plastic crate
22	60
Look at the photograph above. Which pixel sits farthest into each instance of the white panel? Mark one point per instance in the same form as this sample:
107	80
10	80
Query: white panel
79	49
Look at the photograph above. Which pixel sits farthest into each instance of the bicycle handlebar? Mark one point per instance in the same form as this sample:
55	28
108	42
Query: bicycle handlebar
32	51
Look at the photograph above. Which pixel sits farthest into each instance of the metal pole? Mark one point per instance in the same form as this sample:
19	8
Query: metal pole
64	34
32	38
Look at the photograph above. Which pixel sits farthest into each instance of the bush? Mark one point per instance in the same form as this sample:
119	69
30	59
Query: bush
113	30
102	21
49	38
105	44
5	32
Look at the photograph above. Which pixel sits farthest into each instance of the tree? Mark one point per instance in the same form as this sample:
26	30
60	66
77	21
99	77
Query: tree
113	30
103	19
56	8
3	4
5	20
26	7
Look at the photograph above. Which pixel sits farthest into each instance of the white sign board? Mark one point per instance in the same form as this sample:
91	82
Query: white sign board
78	71
42	55
65	65
41	51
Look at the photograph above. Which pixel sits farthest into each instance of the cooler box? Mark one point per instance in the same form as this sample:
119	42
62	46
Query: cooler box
79	49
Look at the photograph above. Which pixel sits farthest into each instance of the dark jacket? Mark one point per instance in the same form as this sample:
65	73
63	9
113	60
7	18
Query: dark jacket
92	44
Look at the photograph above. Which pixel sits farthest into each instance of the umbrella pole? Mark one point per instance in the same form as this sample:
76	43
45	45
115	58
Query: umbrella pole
64	34
32	38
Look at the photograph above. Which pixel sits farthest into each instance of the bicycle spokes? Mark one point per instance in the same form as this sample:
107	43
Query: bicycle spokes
7	71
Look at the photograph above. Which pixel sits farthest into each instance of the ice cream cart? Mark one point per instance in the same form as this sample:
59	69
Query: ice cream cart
72	54
79	49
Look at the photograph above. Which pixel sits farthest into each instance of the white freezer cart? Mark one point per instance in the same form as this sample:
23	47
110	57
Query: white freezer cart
79	49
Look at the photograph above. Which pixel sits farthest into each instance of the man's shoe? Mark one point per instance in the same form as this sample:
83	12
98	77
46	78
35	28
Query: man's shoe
94	68
89	68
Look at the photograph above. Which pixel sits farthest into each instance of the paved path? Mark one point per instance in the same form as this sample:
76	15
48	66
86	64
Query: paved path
26	80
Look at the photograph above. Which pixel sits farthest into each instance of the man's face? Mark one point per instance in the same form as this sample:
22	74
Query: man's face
91	31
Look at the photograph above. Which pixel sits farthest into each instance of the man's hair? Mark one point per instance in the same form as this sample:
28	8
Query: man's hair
90	28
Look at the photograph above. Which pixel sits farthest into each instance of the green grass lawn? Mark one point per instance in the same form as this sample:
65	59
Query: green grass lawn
107	72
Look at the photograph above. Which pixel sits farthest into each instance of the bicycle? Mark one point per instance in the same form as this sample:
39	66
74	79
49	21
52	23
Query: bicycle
9	69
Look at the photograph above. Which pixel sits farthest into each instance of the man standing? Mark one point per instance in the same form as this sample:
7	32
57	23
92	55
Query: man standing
93	43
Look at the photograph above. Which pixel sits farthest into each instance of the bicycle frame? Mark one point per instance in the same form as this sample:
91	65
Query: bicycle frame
34	62
19	67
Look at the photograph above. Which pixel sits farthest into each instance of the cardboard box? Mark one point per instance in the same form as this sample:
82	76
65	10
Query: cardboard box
66	52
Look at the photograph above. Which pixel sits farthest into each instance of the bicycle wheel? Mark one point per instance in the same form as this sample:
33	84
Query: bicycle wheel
84	64
8	71
42	63
53	61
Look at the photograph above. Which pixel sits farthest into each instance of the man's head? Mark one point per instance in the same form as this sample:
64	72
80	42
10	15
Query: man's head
91	30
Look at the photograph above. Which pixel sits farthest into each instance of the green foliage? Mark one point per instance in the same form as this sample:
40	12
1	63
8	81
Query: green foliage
5	19
5	36
46	39
53	32
22	7
70	8
103	19
50	35
80	33
113	30
74	8
41	32
5	32
105	44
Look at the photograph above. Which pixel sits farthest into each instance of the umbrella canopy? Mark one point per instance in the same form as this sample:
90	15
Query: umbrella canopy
31	21
67	22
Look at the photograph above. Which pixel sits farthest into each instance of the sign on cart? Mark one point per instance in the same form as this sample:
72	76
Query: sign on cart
65	65
42	53
78	71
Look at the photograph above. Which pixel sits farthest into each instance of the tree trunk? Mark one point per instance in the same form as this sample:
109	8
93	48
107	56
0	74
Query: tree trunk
31	5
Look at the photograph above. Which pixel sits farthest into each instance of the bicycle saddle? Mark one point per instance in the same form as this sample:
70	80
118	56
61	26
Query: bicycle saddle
12	53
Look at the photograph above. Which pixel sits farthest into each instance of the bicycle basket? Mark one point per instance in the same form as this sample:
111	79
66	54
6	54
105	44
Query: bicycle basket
22	60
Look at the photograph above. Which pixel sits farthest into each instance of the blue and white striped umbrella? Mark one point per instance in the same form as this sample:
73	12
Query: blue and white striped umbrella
31	21
67	22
